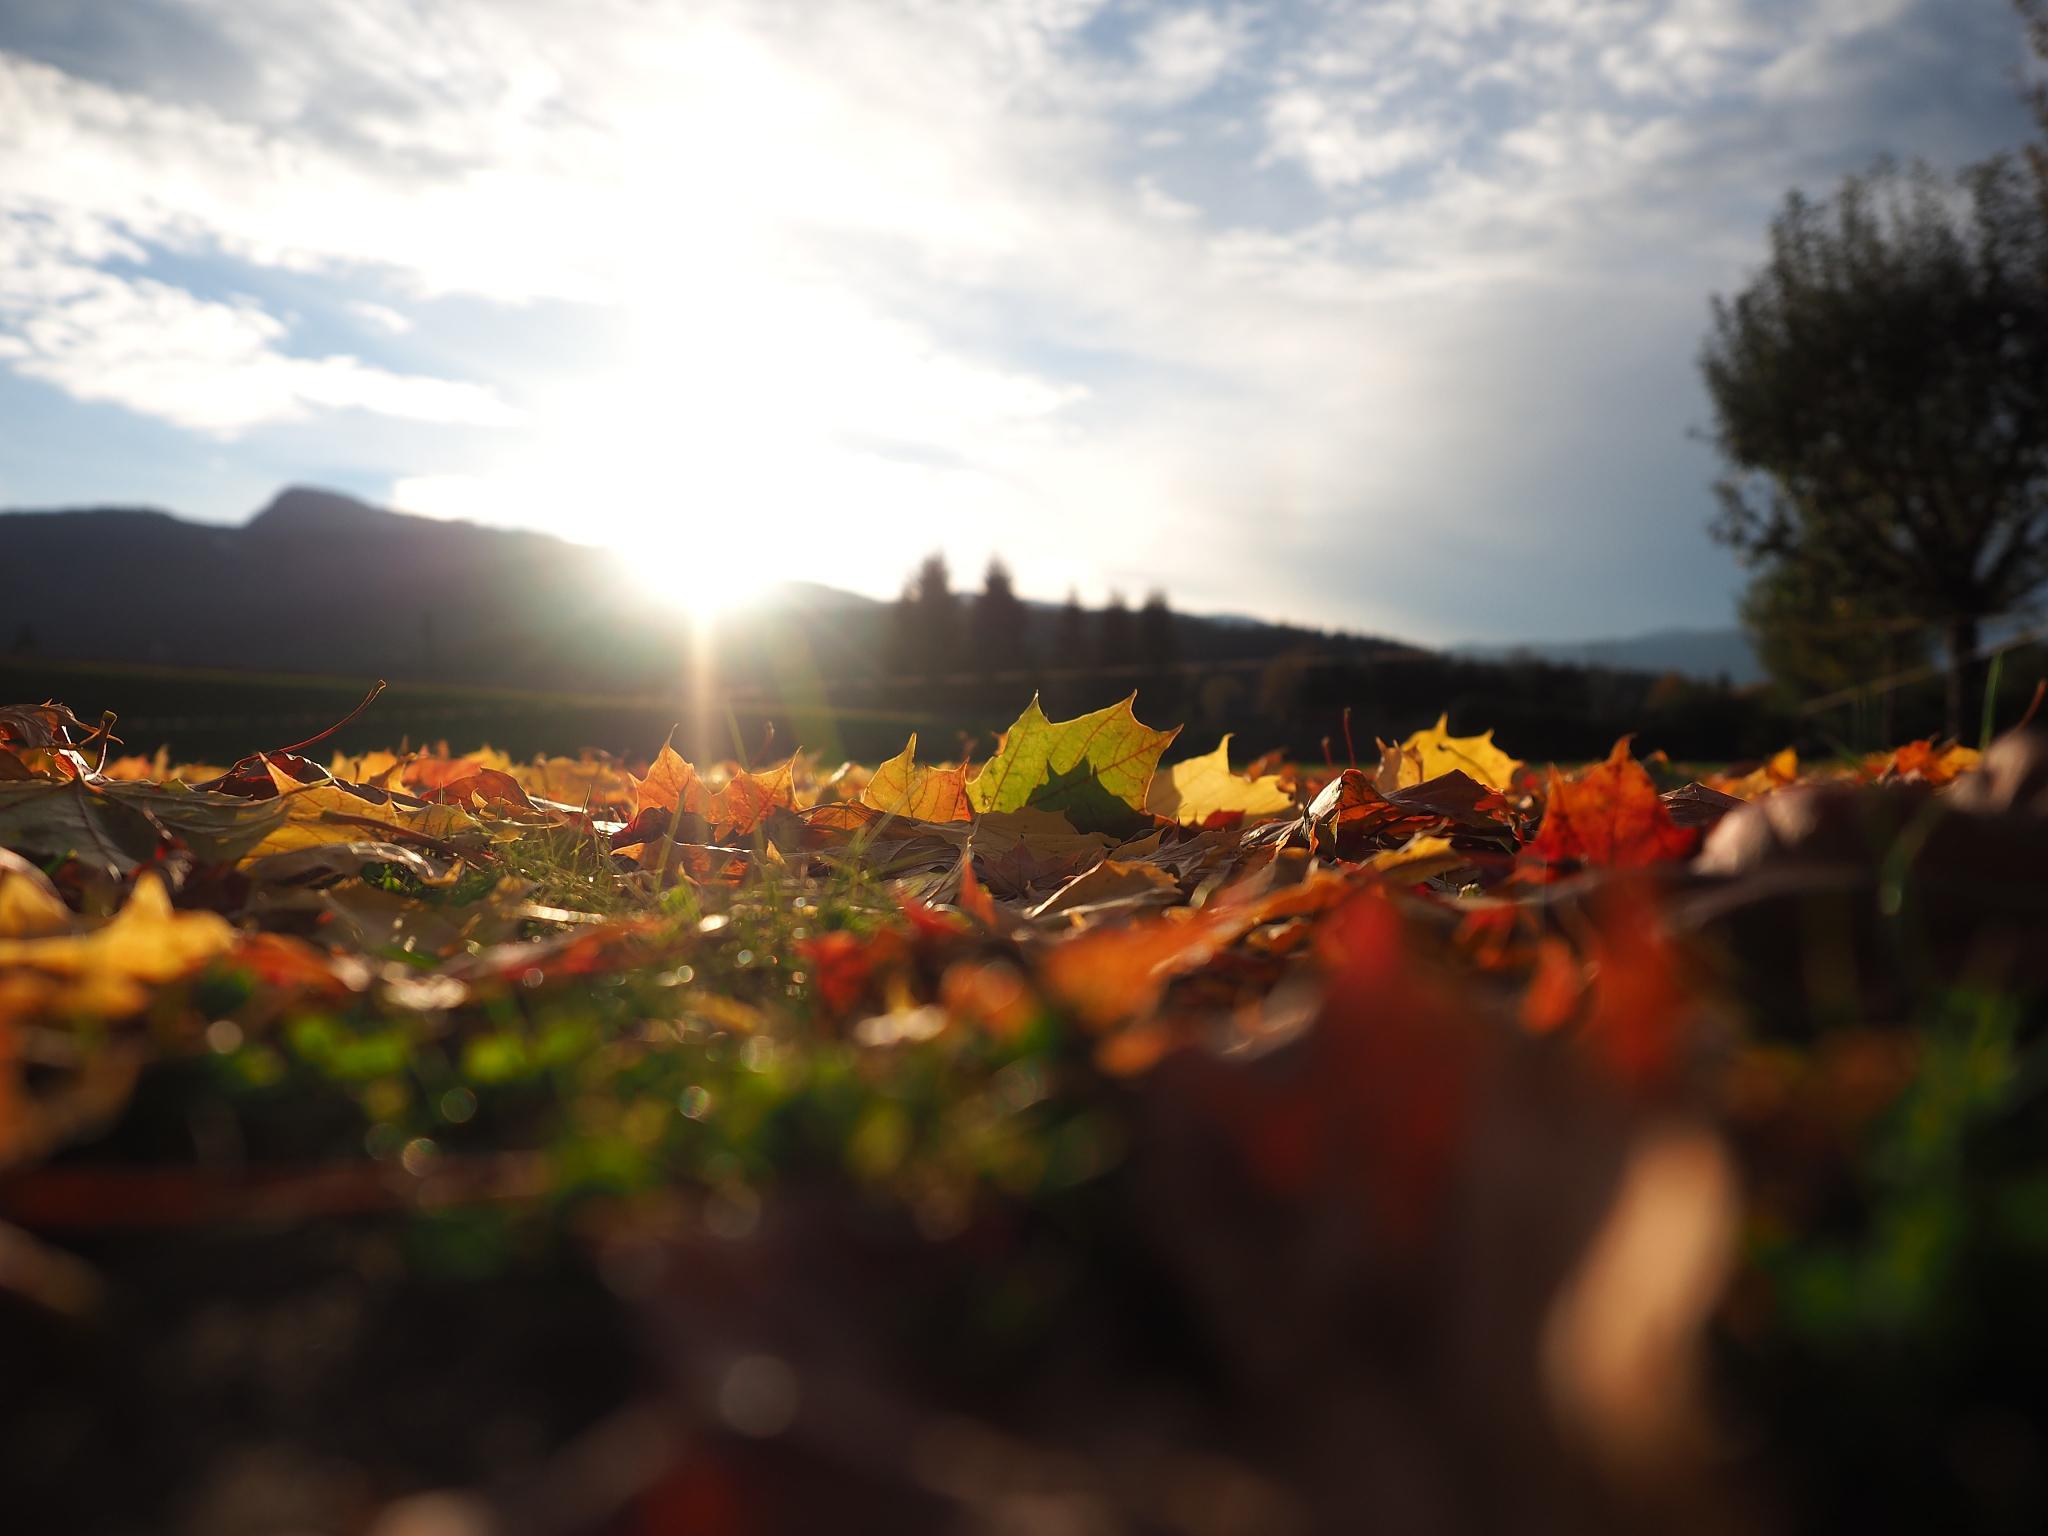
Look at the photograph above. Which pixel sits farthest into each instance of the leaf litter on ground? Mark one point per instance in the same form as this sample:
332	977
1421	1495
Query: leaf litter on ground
1354	997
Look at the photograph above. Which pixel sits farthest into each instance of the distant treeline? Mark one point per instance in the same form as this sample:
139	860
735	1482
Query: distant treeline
966	661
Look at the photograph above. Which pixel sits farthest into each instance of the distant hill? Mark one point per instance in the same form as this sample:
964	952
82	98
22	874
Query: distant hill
491	634
1707	654
321	582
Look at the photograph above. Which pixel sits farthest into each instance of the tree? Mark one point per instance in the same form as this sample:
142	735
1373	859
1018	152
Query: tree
997	622
1116	639
1157	643
1070	635
2035	14
1814	641
927	621
1881	397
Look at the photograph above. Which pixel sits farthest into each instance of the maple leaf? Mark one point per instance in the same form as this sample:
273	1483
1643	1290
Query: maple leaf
1922	760
575	781
1349	818
1610	815
736	808
744	802
1095	769
1432	753
315	814
1781	769
901	788
1198	788
481	787
671	784
108	971
29	903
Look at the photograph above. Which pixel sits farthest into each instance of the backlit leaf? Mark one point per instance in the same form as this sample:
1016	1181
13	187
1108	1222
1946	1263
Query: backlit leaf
107	971
1095	769
1430	754
902	788
1192	791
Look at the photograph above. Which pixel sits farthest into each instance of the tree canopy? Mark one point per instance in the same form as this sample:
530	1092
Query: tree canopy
1881	398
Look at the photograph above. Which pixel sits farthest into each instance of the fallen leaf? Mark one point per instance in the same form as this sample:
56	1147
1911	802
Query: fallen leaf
736	808
1609	815
1923	760
29	903
1095	769
671	784
107	971
1112	883
1436	751
1198	788
1420	858
1106	976
902	788
326	813
1781	769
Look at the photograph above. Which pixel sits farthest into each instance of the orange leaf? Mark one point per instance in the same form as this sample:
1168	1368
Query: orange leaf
1640	1001
671	784
1609	815
749	799
1106	975
902	788
1554	989
736	808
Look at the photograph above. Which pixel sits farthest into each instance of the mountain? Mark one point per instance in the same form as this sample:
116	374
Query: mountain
321	582
1707	654
313	582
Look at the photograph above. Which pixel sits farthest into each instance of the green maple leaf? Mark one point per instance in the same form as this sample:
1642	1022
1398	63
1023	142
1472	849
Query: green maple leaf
1094	769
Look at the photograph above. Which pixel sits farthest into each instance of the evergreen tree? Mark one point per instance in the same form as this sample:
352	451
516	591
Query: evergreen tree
1070	635
997	623
1116	637
1158	645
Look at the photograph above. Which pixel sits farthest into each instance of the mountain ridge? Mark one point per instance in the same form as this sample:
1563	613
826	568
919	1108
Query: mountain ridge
323	580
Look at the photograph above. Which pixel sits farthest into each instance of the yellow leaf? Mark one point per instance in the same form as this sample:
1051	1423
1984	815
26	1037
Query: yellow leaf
1191	792
901	788
1782	769
29	904
317	814
1420	858
1435	752
1094	769
109	970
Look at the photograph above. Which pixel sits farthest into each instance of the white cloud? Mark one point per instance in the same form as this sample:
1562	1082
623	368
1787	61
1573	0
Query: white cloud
381	318
1184	53
212	366
884	274
1340	148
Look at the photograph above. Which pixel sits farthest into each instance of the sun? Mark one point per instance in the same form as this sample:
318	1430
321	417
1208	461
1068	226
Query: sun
671	574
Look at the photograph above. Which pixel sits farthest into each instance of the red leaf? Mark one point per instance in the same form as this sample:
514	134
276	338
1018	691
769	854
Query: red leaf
1609	815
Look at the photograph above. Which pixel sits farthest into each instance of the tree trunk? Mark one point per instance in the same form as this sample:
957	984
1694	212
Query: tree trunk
1965	679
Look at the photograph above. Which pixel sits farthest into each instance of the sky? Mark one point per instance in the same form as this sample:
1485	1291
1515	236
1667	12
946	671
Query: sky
1374	314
